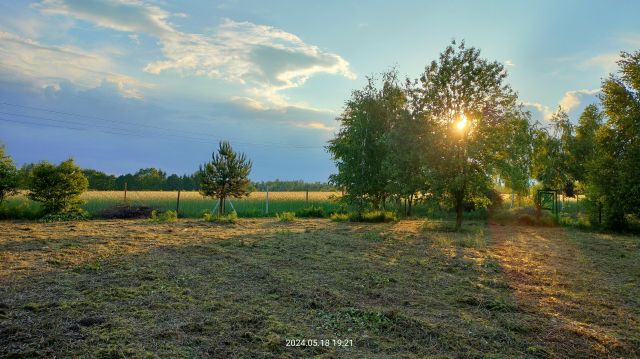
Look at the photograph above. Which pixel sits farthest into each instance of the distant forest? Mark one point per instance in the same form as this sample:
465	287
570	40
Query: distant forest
153	179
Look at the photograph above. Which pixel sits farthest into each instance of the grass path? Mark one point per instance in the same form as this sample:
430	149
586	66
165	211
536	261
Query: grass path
137	289
580	290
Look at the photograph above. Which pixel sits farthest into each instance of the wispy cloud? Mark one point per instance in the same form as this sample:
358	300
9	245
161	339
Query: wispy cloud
130	16
509	63
265	59
314	125
46	66
606	62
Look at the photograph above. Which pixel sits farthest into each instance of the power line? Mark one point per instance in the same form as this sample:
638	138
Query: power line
172	134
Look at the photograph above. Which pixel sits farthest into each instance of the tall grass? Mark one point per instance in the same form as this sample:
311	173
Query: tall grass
192	204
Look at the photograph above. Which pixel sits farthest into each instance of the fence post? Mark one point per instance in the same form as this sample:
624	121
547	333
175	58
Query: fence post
267	203
125	191
178	204
307	197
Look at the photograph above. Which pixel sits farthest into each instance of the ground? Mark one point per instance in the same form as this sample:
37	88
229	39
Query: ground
407	289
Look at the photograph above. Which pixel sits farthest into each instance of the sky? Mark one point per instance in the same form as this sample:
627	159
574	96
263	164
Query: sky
120	85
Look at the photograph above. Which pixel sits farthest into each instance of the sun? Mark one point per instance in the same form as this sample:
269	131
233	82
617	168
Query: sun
462	123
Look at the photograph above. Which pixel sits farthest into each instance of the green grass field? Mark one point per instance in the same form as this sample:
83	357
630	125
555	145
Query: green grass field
192	204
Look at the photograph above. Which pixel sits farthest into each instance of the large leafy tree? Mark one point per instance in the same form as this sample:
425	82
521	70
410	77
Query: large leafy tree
406	173
226	175
8	175
59	187
465	99
584	143
361	145
615	170
552	162
515	156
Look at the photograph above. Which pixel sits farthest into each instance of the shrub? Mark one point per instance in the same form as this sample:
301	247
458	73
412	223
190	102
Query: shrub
375	216
126	211
166	216
310	212
231	217
58	188
339	217
8	175
286	216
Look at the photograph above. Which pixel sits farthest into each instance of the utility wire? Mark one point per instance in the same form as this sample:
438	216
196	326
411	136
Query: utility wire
125	131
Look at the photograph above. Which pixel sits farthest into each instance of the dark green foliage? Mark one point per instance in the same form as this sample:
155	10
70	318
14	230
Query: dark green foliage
373	216
360	147
227	175
552	163
293	186
58	188
614	172
310	212
146	179
8	175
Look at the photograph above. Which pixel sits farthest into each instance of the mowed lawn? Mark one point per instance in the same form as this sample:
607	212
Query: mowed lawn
113	289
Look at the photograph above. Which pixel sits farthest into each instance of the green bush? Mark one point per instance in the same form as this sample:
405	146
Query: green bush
8	175
59	187
374	217
310	212
231	217
286	216
166	216
339	217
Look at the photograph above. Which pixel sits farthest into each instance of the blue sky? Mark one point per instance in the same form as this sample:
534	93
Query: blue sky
121	85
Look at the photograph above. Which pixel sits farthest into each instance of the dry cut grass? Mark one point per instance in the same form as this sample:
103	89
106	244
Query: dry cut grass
407	289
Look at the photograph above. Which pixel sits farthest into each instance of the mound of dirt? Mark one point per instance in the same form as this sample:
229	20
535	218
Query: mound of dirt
126	211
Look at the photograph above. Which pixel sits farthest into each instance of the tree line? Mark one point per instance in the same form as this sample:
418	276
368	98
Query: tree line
458	129
154	179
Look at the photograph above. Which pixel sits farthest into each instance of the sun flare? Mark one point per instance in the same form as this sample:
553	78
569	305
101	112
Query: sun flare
462	123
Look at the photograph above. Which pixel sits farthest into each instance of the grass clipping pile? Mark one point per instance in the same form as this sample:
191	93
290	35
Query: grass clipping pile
409	288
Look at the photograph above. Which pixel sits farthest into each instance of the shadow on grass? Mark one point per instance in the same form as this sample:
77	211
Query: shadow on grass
192	289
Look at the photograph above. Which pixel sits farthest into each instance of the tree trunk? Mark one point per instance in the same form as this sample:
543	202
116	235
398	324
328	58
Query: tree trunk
459	209
513	197
221	206
410	203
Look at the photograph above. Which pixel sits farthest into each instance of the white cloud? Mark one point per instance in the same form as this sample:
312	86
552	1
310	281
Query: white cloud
47	65
314	126
509	63
546	112
265	59
249	102
121	15
572	99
